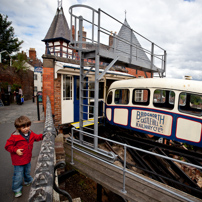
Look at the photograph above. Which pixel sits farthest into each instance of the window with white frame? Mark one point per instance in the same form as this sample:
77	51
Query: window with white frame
67	87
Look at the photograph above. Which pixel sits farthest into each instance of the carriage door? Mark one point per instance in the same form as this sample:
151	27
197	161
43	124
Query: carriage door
76	100
67	101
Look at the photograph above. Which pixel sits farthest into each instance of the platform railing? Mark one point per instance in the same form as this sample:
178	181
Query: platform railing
42	186
110	157
99	35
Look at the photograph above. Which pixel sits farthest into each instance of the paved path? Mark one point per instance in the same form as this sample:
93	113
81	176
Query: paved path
8	114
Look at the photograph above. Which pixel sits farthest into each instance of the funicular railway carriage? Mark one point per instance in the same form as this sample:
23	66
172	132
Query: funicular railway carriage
168	108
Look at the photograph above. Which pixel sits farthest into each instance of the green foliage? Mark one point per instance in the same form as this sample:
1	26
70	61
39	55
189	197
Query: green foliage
8	41
189	147
196	99
183	97
4	87
19	64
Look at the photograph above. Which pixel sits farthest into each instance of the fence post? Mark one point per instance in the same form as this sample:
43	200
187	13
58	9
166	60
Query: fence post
124	170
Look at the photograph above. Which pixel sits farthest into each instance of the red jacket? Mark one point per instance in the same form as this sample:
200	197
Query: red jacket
17	141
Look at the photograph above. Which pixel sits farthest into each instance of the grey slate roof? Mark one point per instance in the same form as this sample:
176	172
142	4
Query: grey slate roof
59	28
139	56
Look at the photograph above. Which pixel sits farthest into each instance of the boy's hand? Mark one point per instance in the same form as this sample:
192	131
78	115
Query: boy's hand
19	152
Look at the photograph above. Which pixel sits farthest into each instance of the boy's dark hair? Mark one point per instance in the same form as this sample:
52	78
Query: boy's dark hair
22	121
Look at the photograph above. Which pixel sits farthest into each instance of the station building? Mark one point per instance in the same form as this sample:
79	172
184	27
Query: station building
61	70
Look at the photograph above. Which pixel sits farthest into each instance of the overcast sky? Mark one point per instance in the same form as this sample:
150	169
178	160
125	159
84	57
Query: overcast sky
174	25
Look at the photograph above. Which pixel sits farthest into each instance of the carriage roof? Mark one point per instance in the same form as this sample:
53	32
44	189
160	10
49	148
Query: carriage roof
162	83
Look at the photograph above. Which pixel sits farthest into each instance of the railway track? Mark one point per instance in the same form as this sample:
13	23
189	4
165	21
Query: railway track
162	170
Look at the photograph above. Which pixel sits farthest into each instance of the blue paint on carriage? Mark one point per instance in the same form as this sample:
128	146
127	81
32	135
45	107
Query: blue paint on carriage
153	111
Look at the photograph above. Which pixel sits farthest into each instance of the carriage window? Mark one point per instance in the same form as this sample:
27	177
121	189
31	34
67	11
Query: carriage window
141	97
109	98
122	96
190	103
164	99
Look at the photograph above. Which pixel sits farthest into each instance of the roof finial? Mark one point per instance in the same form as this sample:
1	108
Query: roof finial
125	14
59	4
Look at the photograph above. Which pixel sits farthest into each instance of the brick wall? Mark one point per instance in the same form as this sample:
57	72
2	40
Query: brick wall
139	73
52	88
23	78
48	86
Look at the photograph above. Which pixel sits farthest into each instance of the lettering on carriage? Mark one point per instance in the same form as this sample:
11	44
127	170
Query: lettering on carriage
150	121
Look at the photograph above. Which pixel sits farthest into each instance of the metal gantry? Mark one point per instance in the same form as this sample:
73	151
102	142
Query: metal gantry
122	52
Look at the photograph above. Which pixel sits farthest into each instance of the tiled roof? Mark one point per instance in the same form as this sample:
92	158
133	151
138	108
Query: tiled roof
59	28
138	54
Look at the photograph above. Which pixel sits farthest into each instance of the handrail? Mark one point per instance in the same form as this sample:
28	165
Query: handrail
156	53
125	146
42	186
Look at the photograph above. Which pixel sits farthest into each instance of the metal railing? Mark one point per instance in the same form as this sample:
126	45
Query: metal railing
110	157
42	186
99	34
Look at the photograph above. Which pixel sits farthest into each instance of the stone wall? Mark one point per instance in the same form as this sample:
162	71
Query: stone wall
23	78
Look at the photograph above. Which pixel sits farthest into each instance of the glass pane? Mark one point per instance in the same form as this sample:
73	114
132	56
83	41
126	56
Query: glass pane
140	96
122	96
109	98
164	99
190	103
159	96
182	100
67	87
171	97
196	101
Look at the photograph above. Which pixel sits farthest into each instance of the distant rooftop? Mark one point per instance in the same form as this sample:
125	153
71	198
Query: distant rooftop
123	48
59	28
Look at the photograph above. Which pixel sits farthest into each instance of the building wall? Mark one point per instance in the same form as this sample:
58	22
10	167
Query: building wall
38	82
48	82
57	101
23	78
139	73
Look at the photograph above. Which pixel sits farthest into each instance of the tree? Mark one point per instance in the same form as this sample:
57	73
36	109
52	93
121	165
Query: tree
20	62
8	41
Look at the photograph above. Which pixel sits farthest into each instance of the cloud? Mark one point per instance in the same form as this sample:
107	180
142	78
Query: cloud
175	25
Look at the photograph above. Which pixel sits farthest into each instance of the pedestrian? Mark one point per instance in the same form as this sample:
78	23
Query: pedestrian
20	146
17	95
20	95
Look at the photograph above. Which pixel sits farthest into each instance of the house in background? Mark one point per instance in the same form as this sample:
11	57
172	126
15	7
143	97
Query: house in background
36	66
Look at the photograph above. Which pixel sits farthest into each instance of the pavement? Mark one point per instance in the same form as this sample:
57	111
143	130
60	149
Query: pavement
8	114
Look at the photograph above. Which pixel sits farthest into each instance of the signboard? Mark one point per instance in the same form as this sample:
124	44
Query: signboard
38	69
152	122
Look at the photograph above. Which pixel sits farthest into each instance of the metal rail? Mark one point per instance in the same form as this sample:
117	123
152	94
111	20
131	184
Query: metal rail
164	174
75	144
93	20
42	186
44	177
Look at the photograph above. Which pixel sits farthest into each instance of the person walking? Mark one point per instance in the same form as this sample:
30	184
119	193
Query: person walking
17	95
20	95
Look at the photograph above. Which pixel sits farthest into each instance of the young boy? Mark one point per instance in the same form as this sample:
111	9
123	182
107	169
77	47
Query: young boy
20	146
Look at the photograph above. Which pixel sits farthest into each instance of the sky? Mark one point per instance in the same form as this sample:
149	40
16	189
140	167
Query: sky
174	25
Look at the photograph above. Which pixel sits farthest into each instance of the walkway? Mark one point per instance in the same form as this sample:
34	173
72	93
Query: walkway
8	114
